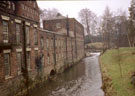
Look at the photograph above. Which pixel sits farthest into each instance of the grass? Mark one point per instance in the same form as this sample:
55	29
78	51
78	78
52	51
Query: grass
97	45
120	86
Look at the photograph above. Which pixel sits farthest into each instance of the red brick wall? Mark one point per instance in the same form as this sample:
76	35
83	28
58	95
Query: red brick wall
75	27
27	13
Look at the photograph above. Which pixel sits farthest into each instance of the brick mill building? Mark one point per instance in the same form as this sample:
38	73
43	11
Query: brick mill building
28	50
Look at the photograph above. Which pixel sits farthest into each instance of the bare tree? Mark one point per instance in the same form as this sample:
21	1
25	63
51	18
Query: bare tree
107	28
88	19
47	14
120	30
131	28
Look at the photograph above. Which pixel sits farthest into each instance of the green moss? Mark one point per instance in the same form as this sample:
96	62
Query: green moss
110	62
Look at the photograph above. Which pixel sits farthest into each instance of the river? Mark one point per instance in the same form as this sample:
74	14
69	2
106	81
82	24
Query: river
83	79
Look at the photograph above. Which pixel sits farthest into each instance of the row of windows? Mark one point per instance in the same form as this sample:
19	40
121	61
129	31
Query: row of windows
10	5
60	42
20	60
18	33
49	43
59	56
34	4
27	29
29	9
7	64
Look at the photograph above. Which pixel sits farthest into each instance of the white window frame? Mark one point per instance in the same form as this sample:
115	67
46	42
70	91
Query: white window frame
28	60
9	65
47	43
5	32
27	35
58	25
9	6
13	6
35	36
48	60
42	42
19	62
18	33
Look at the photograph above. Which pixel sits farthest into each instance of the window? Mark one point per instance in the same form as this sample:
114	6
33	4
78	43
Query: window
59	42
56	57
62	55
58	25
22	6
42	60
52	59
28	60
47	43
25	7
34	4
27	35
56	43
52	42
35	37
7	65
5	31
18	33
48	59
13	5
31	10
9	4
42	42
19	61
28	9
35	13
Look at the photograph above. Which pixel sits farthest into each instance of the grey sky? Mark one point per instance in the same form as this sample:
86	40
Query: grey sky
71	8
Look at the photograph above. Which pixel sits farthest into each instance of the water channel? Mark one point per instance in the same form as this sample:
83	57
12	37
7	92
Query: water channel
83	79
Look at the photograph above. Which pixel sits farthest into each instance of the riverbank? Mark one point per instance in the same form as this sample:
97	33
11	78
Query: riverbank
117	70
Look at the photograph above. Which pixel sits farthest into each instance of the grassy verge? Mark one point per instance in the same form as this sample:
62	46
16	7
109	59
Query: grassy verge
113	83
97	45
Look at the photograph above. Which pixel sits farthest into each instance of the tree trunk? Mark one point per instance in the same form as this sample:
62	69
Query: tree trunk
128	40
133	42
119	60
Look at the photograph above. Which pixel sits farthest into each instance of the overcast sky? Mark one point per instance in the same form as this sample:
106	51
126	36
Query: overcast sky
71	8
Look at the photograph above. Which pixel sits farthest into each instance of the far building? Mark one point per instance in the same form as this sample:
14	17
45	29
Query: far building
67	26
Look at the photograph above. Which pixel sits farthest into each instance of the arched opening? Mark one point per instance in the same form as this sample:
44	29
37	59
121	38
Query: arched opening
52	72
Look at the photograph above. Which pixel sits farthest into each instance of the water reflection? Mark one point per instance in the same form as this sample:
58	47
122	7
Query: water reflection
83	79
